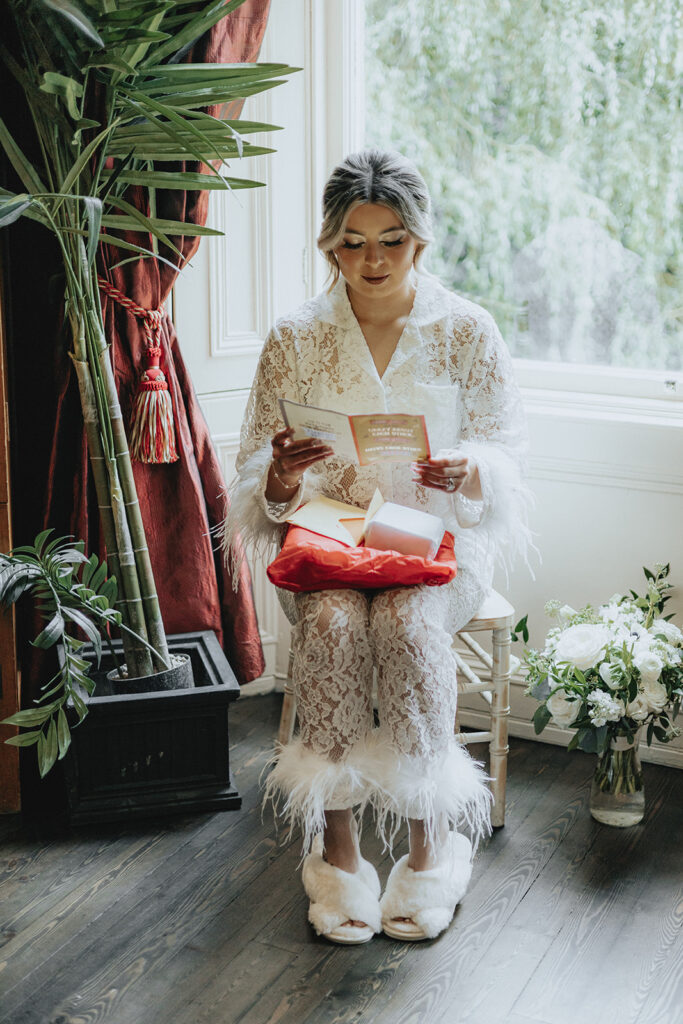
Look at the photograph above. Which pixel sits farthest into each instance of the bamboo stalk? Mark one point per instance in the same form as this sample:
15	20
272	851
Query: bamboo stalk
86	328
101	477
143	657
150	601
107	412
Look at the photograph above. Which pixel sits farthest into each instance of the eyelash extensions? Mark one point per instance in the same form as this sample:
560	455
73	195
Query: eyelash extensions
357	245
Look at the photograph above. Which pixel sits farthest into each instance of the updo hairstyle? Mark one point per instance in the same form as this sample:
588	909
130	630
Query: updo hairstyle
374	176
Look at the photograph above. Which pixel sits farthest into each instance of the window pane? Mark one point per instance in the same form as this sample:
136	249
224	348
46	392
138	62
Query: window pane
551	136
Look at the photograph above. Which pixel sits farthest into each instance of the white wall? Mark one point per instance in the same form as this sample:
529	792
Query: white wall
607	471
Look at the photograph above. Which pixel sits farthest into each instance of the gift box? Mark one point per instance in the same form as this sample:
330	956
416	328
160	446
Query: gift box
409	531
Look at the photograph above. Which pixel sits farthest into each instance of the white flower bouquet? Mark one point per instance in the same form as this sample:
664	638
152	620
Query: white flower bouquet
609	671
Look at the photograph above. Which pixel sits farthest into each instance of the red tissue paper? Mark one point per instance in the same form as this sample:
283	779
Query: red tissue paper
310	561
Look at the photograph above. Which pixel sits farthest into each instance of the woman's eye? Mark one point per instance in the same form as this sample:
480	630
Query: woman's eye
352	245
398	241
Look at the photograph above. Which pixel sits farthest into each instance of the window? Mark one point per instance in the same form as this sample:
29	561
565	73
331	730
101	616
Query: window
551	136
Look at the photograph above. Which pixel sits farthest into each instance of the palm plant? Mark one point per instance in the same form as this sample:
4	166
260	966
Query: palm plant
111	103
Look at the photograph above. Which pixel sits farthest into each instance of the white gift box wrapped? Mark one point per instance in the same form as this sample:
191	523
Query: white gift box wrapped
407	530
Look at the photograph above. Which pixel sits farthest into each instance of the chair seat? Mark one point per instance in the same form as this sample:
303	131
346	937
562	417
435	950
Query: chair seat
494	613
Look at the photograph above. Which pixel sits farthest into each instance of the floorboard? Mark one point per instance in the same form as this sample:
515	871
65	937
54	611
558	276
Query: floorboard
202	919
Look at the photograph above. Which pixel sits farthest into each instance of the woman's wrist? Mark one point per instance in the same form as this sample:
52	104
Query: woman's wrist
281	478
279	490
471	489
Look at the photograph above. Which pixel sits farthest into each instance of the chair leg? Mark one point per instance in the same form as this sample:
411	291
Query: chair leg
288	713
500	711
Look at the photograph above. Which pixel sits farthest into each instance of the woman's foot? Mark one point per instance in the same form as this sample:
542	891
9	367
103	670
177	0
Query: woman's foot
344	905
351	923
419	904
341	848
423	857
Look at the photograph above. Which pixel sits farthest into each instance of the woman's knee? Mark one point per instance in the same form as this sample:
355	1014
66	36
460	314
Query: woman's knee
333	610
403	613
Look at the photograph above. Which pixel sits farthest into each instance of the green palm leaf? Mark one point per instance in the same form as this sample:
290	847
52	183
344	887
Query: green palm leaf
158	227
76	16
185	180
194	26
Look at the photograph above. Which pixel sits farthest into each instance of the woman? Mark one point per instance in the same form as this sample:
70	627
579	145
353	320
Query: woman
384	337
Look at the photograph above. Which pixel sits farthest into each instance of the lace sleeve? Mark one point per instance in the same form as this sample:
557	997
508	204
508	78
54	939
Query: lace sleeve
494	434
252	520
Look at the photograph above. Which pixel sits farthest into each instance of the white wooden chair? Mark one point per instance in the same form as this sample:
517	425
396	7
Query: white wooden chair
496	616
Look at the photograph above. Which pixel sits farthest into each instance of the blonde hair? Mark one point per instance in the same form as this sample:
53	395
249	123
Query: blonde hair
380	177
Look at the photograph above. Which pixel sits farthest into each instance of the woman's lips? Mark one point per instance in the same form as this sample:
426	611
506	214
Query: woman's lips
375	280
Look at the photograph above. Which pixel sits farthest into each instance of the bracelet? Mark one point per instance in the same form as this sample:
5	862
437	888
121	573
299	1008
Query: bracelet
278	477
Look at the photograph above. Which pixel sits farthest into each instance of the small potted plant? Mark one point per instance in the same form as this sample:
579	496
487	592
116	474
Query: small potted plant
125	762
609	672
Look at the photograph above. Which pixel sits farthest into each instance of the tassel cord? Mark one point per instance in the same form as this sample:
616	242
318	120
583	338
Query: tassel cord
152	430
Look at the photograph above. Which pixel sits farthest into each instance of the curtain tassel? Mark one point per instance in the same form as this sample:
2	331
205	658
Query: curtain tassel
152	428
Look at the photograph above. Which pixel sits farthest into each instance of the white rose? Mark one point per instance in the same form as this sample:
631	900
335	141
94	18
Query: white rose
563	711
610	612
605	671
638	708
655	694
649	665
582	645
667	629
565	613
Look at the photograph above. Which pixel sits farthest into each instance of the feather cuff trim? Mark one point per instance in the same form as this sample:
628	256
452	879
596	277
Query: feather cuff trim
252	522
503	531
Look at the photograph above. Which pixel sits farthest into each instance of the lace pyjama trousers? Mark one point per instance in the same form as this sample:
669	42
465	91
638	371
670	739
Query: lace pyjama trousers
411	765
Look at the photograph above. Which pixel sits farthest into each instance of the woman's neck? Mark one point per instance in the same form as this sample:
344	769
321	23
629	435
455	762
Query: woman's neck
385	310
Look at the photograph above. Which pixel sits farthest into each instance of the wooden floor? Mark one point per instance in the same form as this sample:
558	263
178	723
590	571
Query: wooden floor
203	919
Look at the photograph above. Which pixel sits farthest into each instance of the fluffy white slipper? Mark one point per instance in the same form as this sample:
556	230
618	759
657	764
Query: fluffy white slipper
337	896
429	897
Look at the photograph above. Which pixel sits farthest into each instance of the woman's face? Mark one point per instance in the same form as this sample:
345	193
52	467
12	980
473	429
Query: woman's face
377	253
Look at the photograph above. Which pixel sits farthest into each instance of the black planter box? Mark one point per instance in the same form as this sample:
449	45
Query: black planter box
143	755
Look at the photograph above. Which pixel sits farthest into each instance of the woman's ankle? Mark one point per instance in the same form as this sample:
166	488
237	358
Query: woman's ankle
340	841
423	855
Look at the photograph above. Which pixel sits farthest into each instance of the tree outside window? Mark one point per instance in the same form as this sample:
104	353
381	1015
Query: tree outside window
550	133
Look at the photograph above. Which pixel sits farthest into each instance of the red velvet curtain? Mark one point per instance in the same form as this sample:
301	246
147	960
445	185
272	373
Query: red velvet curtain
182	501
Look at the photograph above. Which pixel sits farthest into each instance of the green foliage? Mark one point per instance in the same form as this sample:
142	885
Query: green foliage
70	590
104	88
521	627
528	118
112	103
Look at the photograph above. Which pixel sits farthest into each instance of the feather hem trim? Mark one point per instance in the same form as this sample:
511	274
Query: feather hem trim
308	783
451	787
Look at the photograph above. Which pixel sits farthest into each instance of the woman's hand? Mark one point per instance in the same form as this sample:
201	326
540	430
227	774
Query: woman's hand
290	460
450	473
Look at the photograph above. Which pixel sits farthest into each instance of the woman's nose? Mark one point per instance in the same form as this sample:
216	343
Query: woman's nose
373	255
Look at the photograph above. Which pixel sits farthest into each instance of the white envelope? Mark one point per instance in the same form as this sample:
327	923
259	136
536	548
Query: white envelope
326	516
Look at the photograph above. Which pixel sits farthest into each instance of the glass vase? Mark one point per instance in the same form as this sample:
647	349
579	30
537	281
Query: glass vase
617	793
